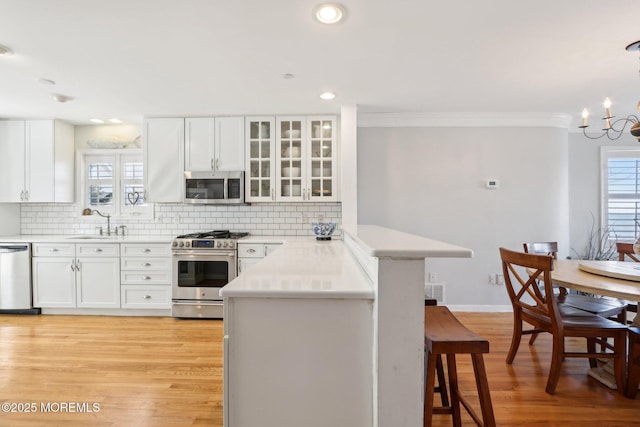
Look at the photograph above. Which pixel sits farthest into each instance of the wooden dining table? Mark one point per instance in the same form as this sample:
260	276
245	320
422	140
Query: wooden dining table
616	279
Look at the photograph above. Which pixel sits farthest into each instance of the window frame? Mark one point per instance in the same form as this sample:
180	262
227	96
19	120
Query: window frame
118	209
618	152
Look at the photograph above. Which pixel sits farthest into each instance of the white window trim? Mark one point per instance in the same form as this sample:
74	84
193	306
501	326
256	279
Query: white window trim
144	212
607	152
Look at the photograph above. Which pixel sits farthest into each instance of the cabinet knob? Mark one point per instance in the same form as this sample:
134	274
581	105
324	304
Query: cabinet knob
53	250
146	278
146	250
146	297
251	251
146	264
97	250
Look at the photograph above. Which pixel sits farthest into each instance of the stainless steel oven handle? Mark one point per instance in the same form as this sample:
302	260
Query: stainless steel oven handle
197	302
207	253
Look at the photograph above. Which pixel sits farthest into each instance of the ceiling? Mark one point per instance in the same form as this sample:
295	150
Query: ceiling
135	58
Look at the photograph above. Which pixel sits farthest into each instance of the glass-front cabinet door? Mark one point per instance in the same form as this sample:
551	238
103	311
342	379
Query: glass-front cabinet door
290	143
322	154
260	175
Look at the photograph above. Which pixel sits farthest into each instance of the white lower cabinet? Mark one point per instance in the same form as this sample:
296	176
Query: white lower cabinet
145	276
67	275
249	254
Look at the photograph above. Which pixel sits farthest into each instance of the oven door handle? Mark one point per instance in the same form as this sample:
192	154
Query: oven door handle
206	253
197	302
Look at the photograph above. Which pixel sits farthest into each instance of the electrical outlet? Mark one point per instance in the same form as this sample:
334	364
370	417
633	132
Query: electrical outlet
496	278
433	277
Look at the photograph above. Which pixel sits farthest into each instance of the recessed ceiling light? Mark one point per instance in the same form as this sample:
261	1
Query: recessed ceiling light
5	51
116	121
98	121
329	13
58	97
327	96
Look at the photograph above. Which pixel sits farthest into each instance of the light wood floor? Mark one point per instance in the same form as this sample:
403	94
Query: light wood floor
168	372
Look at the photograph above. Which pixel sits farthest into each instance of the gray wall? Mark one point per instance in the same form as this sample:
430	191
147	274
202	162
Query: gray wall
431	182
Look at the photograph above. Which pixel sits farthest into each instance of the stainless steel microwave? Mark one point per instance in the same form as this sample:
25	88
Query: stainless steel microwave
215	188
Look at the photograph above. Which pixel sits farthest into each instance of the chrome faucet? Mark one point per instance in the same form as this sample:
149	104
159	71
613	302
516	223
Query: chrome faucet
88	211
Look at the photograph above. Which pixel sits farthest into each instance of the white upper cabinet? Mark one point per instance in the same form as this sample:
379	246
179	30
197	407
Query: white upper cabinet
12	160
260	171
291	152
321	159
214	144
36	161
164	159
199	144
229	149
306	158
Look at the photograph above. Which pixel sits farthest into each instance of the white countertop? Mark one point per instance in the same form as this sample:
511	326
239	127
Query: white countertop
272	239
306	268
303	267
383	242
83	238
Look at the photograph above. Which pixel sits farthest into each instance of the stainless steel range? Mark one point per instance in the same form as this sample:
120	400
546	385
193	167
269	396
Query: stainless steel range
202	264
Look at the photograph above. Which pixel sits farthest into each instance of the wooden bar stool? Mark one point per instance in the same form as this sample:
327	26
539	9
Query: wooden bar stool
441	388
445	335
634	363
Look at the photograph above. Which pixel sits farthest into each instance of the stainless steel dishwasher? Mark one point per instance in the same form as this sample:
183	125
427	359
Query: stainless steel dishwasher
15	279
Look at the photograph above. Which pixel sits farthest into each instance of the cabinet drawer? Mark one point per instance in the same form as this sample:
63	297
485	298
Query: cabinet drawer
145	264
132	296
146	249
251	250
137	277
54	249
97	250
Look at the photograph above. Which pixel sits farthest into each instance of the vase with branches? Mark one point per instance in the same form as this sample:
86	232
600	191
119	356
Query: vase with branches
599	245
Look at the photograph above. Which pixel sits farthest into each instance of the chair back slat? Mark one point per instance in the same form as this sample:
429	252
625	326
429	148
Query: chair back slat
538	269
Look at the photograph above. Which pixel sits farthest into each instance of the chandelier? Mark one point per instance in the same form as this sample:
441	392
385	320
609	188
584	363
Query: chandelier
613	129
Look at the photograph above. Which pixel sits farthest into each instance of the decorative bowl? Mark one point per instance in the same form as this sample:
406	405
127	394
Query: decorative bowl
291	171
323	230
292	152
292	133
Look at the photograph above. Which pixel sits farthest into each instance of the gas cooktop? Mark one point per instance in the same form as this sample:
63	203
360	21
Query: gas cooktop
214	234
211	240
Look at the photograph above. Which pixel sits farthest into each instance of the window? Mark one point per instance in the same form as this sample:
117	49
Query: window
621	192
113	182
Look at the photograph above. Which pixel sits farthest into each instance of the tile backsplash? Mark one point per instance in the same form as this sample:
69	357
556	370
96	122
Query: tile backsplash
264	219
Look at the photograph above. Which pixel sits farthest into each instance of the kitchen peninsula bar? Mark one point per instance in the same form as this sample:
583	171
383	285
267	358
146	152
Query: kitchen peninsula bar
330	333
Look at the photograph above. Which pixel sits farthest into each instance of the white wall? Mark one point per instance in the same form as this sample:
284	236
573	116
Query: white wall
431	182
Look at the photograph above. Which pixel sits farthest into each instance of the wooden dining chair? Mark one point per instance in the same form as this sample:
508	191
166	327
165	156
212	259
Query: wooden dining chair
625	252
540	309
606	307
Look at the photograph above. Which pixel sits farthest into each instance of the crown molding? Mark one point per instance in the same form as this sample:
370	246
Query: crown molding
456	120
